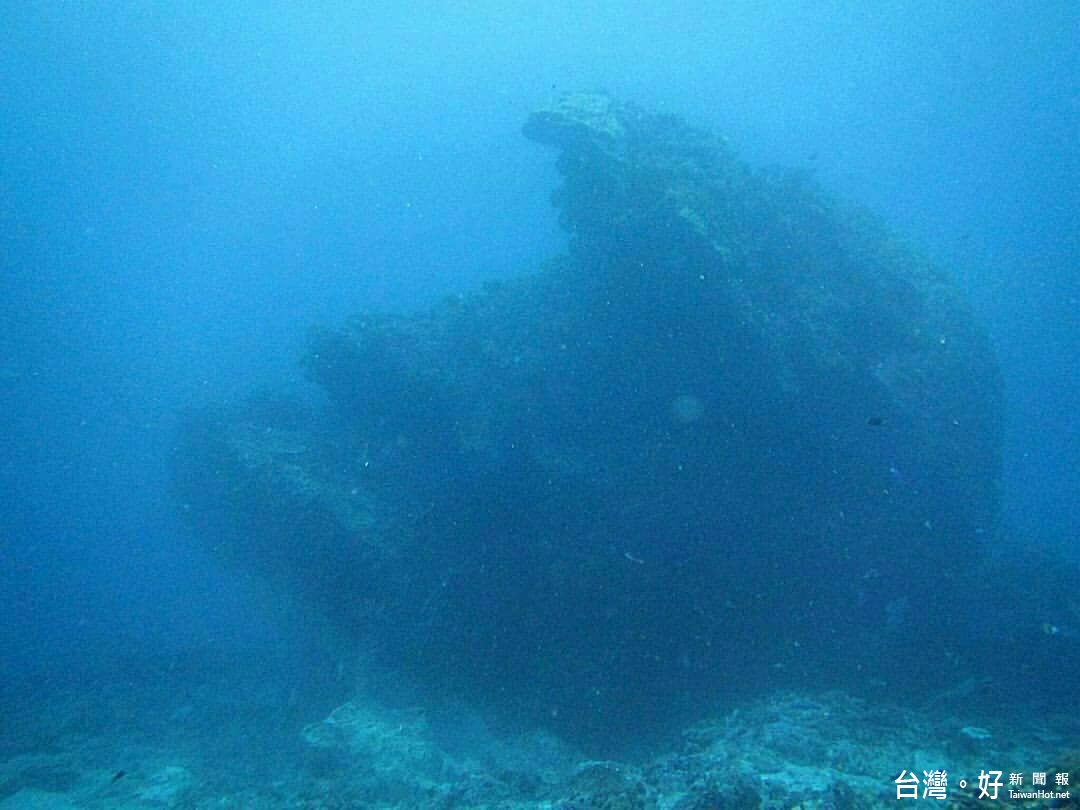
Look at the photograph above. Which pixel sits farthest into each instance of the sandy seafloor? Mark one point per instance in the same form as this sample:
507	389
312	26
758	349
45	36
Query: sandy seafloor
220	742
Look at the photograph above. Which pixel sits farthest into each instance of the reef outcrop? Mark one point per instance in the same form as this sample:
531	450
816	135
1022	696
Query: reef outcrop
674	461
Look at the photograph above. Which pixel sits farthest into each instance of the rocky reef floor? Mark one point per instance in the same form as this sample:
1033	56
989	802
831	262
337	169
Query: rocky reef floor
225	741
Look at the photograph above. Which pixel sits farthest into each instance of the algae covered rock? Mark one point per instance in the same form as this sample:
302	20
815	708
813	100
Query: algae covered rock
676	461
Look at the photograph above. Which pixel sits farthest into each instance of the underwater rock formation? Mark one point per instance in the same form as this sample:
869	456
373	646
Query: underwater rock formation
674	462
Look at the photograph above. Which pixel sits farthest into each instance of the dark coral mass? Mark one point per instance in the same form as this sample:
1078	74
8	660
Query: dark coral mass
643	474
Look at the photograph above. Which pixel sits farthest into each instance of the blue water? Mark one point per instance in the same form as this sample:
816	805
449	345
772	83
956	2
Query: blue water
186	189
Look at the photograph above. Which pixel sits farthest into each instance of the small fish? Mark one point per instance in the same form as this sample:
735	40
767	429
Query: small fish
117	777
876	421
